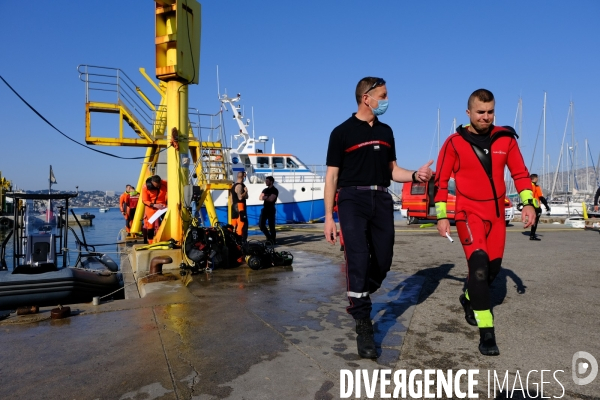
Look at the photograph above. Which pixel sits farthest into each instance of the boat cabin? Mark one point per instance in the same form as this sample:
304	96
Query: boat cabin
273	163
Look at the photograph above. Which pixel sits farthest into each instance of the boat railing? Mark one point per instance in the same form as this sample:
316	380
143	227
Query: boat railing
316	174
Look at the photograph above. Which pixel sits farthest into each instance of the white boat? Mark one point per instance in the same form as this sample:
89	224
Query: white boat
301	187
569	208
575	222
106	208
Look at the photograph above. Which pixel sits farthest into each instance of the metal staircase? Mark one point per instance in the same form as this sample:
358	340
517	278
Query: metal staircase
114	92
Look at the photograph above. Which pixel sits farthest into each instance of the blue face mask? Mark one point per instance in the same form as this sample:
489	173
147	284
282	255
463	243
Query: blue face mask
382	106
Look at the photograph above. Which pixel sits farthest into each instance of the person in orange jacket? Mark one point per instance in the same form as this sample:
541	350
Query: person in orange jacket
239	195
537	195
154	197
132	201
123	199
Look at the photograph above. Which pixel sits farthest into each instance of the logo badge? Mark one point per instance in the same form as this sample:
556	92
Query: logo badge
580	367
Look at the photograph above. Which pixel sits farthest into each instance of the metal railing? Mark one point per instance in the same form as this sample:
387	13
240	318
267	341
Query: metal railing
107	80
113	85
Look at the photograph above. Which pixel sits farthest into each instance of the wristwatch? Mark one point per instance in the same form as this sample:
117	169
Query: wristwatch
414	177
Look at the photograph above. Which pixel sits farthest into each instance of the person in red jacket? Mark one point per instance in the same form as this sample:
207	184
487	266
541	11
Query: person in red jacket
130	206
154	197
123	204
476	155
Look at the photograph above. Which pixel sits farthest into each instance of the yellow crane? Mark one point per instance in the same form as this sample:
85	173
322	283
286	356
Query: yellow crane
177	44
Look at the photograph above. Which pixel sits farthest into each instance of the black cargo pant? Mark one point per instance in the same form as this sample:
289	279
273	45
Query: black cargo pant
367	219
538	213
267	215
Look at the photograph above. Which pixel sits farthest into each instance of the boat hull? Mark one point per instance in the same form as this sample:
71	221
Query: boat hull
298	202
287	213
65	286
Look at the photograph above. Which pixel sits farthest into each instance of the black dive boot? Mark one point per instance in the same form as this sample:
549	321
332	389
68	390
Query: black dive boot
469	314
487	342
365	340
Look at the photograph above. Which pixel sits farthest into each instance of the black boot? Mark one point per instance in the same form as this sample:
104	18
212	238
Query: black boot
469	314
365	340
534	237
487	342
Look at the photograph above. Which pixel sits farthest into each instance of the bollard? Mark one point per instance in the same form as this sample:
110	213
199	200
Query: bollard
157	263
28	310
60	312
96	300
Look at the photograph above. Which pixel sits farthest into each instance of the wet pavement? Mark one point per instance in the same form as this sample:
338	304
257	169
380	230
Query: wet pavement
283	333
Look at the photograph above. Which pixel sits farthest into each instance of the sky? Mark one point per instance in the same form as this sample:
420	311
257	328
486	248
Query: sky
296	64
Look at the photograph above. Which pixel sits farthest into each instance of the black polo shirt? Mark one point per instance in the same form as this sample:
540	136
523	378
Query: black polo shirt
362	152
268	205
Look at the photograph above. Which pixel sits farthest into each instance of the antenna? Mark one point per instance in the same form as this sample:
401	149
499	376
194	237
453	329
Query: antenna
218	89
252	122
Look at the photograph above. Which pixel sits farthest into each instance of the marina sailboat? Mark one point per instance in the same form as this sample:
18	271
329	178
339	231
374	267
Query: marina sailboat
567	201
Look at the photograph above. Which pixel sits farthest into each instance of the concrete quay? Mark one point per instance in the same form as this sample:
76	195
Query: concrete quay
282	333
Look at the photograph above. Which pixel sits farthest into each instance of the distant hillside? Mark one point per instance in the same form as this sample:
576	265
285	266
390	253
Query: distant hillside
94	198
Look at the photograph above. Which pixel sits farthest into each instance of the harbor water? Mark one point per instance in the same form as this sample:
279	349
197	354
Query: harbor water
104	233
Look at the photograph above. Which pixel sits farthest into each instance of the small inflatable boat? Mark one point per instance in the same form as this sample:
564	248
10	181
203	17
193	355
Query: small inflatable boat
40	275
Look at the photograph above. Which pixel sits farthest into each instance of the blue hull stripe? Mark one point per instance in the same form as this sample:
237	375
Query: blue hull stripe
287	213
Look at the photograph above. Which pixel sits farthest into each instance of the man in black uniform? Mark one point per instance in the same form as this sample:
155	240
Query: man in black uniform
361	161
269	196
596	199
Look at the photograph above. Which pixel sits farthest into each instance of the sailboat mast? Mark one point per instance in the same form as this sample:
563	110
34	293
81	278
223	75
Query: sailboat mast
544	145
438	131
573	162
587	176
520	117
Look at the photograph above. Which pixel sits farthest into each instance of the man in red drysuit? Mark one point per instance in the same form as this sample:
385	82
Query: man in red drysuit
477	155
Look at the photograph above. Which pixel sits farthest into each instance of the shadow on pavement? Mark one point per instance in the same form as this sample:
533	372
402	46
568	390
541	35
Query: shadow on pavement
500	285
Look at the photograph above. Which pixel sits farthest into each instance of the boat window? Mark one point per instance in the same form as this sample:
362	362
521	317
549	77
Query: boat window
418	188
278	162
246	161
290	163
452	187
262	162
301	164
